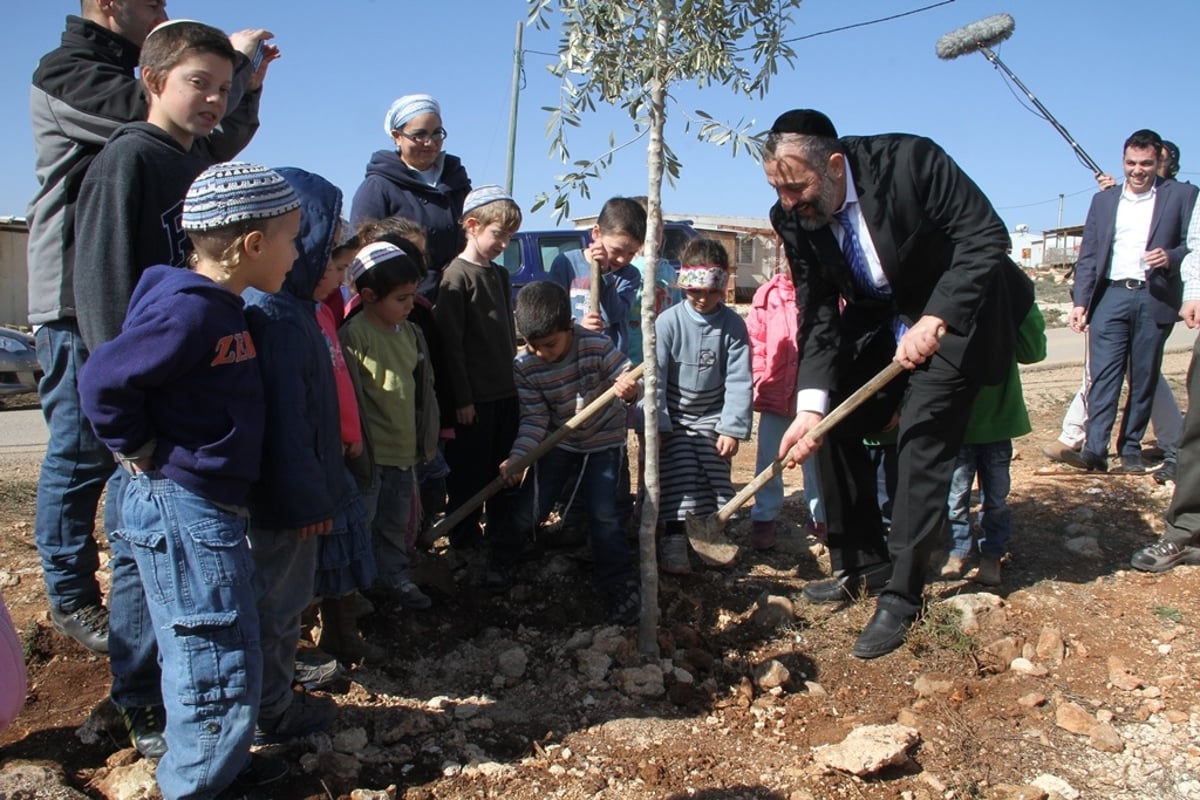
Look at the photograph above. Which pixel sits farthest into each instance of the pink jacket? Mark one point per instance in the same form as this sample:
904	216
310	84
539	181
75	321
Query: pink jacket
12	670
773	325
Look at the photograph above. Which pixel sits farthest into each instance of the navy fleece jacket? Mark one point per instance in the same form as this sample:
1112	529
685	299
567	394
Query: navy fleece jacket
303	478
181	374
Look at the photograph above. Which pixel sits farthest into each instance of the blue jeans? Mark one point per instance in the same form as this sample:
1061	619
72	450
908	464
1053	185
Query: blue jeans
285	567
992	462
598	488
73	474
198	573
391	507
769	499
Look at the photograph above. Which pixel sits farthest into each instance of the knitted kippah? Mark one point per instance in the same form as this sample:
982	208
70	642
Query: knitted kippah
484	195
372	256
407	107
804	121
702	276
235	192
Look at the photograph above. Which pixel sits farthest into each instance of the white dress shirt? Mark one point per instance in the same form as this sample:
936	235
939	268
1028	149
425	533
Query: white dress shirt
1130	235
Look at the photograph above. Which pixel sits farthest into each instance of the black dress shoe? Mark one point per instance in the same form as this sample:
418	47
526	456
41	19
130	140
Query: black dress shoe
1084	461
1164	473
884	633
1130	465
847	586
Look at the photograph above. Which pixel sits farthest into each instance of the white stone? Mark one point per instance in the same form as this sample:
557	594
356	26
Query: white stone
352	740
1053	783
868	749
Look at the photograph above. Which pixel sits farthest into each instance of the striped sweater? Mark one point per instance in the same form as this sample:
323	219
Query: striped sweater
552	393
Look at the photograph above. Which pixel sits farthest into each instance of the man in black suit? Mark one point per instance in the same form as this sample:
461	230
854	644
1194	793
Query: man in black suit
893	226
1127	294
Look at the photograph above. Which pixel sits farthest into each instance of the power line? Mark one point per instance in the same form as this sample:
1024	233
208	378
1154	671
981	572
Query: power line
868	22
1054	199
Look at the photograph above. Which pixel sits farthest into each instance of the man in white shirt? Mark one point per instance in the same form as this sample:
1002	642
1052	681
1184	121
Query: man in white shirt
1127	294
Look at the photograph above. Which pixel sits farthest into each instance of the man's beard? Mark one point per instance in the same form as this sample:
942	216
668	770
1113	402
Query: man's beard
823	208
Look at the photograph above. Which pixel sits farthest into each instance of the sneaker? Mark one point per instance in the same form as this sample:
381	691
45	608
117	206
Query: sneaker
762	534
87	625
954	567
317	670
411	596
1057	451
1165	473
260	771
1163	556
988	572
673	555
625	605
307	714
145	727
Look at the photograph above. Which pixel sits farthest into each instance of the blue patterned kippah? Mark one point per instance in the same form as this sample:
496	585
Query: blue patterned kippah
407	107
484	195
233	192
372	256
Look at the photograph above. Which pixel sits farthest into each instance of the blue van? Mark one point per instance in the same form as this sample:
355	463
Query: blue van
530	253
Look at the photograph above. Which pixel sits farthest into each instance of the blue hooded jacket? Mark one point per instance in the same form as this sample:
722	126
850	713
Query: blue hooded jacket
181	375
303	477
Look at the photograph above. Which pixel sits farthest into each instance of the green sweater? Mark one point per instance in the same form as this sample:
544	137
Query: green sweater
999	411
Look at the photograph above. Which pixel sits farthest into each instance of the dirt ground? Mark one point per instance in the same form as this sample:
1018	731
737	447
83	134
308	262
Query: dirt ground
1082	676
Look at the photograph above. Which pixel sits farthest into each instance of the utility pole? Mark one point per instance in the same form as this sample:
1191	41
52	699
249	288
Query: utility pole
512	111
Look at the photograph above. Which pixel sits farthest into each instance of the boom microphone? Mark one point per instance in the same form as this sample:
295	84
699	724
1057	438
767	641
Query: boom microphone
981	36
987	32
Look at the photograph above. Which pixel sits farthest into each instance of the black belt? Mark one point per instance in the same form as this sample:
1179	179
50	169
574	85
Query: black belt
1128	283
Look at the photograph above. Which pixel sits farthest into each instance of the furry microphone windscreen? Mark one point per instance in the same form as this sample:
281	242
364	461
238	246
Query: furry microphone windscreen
987	32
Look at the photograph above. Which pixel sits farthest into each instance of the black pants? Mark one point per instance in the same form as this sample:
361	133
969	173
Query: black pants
474	456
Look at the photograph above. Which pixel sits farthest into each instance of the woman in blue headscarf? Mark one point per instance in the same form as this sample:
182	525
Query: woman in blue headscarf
417	180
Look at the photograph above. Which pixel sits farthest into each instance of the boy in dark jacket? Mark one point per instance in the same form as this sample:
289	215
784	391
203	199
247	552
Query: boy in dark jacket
178	397
303	480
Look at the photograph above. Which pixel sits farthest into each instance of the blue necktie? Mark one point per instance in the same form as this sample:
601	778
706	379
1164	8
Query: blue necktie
859	269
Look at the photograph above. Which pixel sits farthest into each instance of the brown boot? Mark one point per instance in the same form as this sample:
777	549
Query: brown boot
339	632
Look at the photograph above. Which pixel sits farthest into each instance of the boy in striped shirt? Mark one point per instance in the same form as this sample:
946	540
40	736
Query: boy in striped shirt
561	369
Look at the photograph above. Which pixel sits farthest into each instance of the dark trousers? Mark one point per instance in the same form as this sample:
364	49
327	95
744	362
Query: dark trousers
935	403
1121	326
1183	515
474	456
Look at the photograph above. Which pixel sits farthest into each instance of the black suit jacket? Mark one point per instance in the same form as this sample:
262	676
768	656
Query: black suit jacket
1173	204
944	251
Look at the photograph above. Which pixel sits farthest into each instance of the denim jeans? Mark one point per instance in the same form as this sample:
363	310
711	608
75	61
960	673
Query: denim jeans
598	488
74	470
769	499
285	567
393	512
198	573
991	461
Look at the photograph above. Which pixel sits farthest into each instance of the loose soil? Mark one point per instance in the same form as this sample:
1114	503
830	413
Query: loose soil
447	715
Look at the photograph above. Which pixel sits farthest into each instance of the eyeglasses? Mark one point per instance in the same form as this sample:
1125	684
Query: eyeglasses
425	137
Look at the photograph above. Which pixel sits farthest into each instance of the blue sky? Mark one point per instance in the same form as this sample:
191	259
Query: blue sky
1104	68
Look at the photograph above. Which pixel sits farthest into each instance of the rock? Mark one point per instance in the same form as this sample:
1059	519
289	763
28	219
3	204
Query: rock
1004	650
8	579
512	662
868	749
1032	700
1071	717
37	782
353	740
1085	546
1050	646
134	782
592	665
932	684
375	794
1006	791
644	681
1056	785
770	674
975	606
122	758
1104	737
1026	667
339	765
578	641
815	689
1121	676
773	611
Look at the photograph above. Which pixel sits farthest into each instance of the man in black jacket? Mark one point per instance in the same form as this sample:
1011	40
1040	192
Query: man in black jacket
893	227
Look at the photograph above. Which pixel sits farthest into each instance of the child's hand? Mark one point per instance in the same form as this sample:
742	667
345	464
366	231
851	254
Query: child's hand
509	472
727	447
352	449
246	42
466	415
316	529
626	387
598	254
593	322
